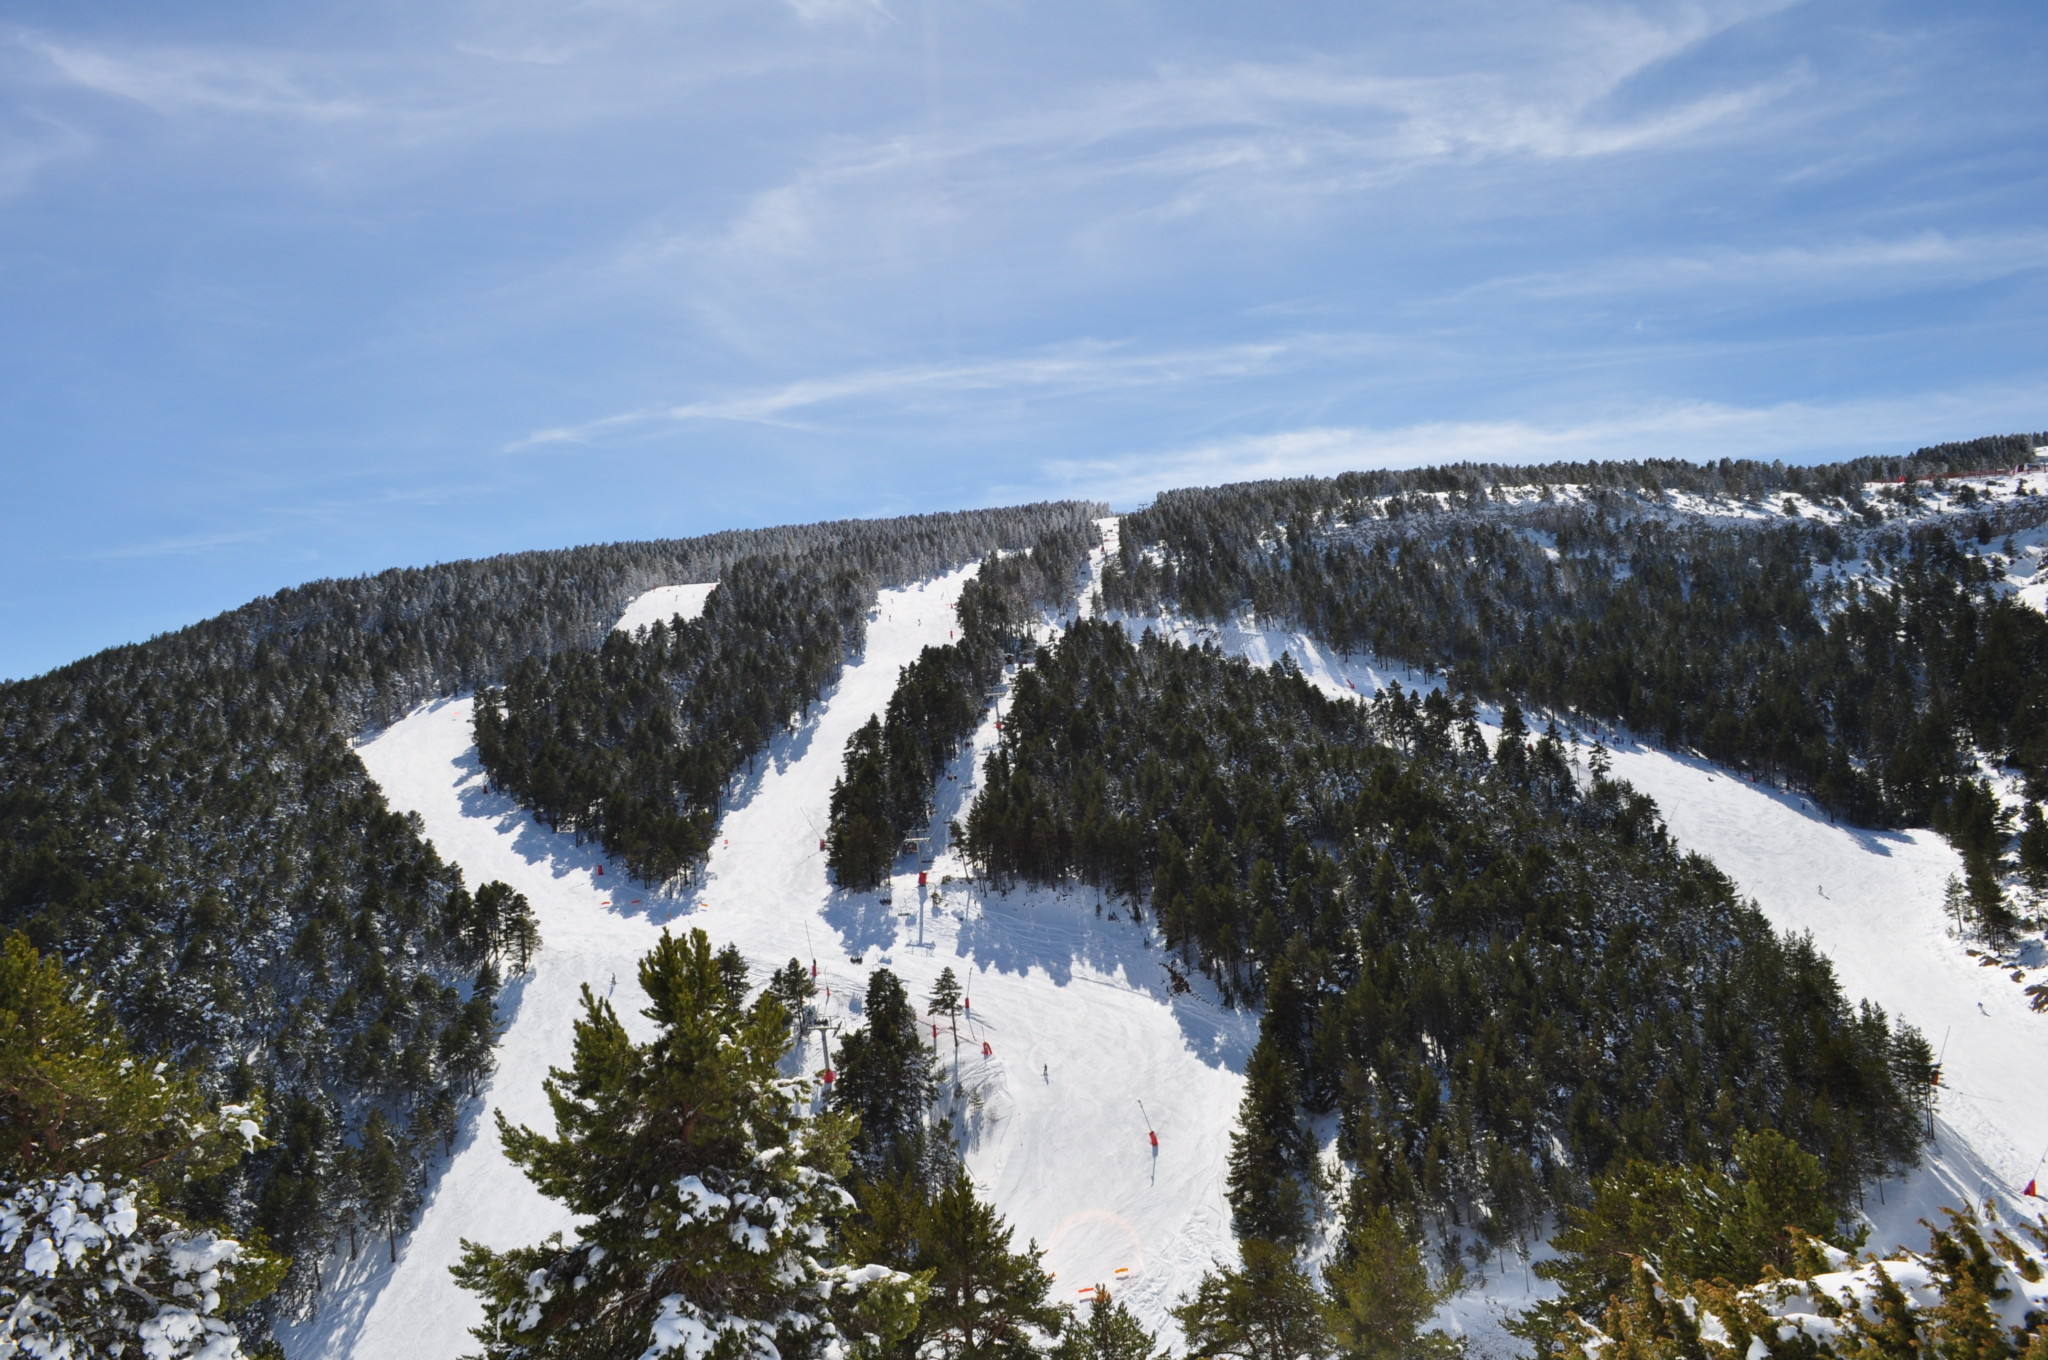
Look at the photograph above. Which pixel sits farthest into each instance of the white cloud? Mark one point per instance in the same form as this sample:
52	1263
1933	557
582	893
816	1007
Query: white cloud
1069	371
176	80
1698	430
1864	264
1253	136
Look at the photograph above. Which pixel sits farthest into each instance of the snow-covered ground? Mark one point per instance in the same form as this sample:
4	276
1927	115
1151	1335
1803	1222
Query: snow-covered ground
664	603
1873	904
1074	1008
1087	1048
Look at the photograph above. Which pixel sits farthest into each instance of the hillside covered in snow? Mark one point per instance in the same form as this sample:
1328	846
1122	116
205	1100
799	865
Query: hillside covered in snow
1371	882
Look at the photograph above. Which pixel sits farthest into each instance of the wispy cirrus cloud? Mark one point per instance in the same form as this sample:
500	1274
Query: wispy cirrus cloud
1698	430
1864	264
1069	371
179	80
1190	138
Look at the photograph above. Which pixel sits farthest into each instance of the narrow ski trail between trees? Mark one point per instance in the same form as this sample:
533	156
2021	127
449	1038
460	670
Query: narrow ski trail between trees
1073	1004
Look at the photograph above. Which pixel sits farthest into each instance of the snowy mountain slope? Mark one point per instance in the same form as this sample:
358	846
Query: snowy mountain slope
1873	903
1087	1047
664	603
1074	1007
1871	899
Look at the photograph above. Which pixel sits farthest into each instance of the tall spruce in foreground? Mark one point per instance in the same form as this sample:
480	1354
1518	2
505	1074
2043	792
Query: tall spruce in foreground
986	1301
1271	1178
1381	1292
710	1194
1971	1295
1759	1215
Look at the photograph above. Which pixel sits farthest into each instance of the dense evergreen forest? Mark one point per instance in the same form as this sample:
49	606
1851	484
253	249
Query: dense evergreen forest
1869	656
634	743
182	821
893	762
1502	980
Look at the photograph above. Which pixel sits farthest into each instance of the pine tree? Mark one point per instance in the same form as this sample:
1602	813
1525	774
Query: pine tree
94	1140
1694	1222
1269	1152
1108	1331
74	1096
380	1179
792	987
1381	1293
987	1302
1265	1309
887	1081
732	973
709	1194
945	1000
520	931
2034	846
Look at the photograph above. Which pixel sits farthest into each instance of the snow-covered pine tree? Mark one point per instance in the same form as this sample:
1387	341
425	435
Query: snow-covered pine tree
95	1139
710	1195
91	1268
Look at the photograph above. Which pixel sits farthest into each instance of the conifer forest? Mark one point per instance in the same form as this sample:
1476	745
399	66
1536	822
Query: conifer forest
1285	921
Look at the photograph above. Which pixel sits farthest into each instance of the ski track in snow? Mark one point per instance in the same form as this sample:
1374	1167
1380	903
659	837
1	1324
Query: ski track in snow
1074	1005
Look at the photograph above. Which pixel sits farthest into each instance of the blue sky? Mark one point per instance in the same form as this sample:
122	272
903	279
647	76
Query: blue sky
290	291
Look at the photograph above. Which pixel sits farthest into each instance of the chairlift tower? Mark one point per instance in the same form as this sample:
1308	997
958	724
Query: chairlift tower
919	846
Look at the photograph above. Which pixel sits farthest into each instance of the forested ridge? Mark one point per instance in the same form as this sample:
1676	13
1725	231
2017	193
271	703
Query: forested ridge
1501	979
893	761
183	822
633	744
1488	970
1869	655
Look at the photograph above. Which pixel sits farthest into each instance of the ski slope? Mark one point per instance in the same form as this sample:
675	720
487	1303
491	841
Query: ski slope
1073	1006
1872	902
663	603
1087	1049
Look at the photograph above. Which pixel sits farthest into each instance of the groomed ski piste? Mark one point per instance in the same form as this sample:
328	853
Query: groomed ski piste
1089	1053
